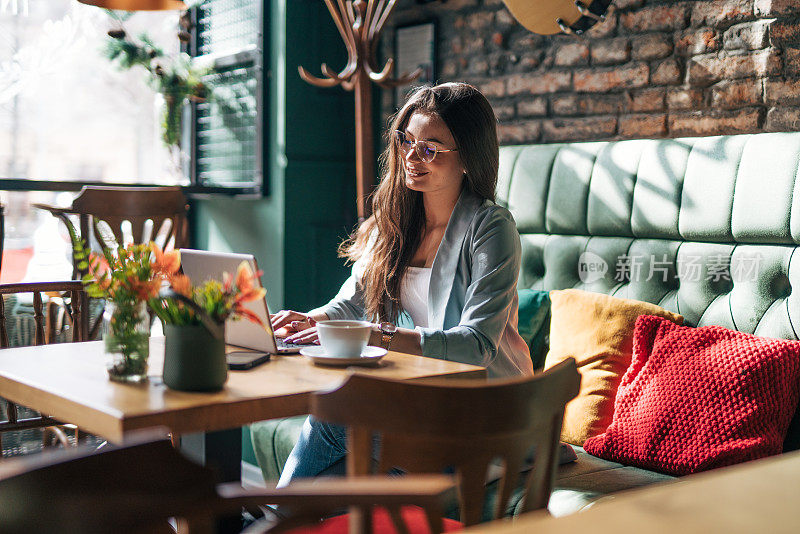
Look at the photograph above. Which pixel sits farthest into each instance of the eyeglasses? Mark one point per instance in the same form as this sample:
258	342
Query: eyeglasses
425	151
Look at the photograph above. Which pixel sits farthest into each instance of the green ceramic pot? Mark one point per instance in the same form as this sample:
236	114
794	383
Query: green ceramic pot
194	360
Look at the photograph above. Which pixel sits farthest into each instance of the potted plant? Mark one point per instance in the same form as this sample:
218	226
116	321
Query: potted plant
194	325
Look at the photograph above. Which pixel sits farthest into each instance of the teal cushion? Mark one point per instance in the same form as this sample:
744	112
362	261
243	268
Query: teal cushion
20	323
534	311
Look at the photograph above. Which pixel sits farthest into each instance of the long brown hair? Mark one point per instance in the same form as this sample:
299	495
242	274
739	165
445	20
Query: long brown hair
392	234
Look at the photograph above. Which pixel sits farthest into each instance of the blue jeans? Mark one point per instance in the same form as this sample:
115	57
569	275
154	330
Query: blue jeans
320	451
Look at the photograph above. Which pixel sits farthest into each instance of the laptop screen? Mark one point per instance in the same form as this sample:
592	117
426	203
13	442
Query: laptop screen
201	265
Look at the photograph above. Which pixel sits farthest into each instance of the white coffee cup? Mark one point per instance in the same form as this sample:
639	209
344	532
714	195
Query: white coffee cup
344	339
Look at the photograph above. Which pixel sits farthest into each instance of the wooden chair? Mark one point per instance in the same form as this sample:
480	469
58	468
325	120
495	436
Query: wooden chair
133	488
134	214
138	486
463	426
460	425
77	303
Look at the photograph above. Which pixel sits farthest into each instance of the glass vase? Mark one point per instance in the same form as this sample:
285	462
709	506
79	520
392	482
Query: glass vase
126	334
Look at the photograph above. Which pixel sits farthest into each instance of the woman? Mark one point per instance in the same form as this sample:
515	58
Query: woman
437	248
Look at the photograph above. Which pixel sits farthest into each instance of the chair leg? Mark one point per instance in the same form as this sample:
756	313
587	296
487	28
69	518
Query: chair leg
53	431
397	519
435	519
360	520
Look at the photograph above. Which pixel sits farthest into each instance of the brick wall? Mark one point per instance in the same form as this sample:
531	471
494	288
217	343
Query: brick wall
655	68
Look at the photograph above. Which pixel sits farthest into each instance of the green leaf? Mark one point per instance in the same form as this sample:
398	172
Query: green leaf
105	235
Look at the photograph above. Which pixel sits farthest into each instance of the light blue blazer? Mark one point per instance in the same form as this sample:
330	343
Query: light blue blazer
472	301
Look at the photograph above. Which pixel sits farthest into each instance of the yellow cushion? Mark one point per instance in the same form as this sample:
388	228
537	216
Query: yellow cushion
596	330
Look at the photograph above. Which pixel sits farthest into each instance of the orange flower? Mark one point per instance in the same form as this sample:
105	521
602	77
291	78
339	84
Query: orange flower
251	295
222	299
244	277
98	264
181	284
246	283
143	289
166	263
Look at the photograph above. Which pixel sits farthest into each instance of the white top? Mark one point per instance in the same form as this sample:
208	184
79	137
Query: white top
414	294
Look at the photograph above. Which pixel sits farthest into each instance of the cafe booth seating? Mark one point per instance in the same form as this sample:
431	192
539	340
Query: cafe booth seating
704	229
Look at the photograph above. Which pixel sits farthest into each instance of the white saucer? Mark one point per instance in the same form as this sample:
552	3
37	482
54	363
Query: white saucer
369	356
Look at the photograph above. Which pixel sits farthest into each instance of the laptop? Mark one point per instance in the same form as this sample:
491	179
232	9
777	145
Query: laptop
201	265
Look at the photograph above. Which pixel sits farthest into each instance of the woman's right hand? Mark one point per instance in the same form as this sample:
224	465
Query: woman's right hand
288	322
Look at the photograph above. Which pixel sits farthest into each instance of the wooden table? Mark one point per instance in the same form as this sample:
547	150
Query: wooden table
69	382
759	496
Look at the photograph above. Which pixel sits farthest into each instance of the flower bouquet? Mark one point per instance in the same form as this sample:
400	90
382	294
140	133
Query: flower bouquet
194	324
127	278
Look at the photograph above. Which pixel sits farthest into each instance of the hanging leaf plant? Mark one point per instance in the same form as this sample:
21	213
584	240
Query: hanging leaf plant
176	76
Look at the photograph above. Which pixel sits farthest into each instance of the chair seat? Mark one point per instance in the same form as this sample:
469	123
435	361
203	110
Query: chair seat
26	318
413	517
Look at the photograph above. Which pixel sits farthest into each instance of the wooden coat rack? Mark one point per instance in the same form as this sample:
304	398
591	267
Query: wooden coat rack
360	23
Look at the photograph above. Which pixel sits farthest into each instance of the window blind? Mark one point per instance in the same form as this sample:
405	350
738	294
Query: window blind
228	147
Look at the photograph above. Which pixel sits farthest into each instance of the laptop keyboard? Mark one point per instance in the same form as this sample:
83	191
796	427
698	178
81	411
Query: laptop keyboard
282	344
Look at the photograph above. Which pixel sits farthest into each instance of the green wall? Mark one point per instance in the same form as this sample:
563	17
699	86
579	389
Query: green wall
309	169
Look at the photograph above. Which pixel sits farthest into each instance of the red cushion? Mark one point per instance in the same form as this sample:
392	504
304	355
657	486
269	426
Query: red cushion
698	398
413	516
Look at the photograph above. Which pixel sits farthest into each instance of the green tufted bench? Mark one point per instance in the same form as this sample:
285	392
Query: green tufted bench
717	203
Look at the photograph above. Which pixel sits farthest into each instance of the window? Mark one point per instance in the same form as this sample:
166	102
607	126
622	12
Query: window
69	117
228	130
65	113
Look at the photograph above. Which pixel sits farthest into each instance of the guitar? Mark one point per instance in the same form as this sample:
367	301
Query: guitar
547	17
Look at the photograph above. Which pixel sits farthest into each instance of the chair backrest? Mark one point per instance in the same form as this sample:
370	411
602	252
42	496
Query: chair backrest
133	214
154	213
464	425
76	305
132	488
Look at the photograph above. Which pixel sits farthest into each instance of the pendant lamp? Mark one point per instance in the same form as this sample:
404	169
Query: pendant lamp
547	17
136	5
